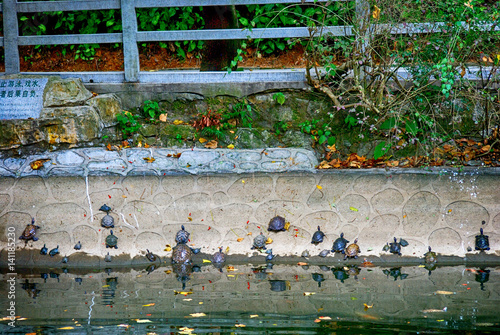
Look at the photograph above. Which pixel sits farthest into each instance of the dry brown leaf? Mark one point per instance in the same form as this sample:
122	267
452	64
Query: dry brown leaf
376	12
163	117
486	148
240	239
211	145
149	159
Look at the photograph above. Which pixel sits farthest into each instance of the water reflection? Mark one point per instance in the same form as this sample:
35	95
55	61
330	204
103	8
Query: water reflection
304	299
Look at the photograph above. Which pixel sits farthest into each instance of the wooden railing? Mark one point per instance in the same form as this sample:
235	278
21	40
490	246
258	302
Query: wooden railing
130	37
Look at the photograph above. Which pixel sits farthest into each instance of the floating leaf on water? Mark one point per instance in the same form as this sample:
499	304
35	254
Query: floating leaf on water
445	292
149	305
367	307
142	320
197	315
431	310
149	159
66	328
187	299
186	330
301	263
324	318
239	325
353	209
309	293
354	298
183	292
123	325
207	261
254	316
231	268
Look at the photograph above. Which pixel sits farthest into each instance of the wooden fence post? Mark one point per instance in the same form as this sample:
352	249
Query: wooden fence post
10	30
130	50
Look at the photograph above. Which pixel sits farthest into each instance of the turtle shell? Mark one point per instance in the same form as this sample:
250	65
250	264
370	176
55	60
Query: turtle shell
150	256
395	247
430	256
340	244
352	250
277	223
482	241
182	236
324	253
111	241
219	256
181	254
259	242
107	221
340	274
317	236
29	232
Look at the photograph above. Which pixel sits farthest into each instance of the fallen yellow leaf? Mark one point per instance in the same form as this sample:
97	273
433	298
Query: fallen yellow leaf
309	293
324	318
254	316
367	306
444	292
202	140
353	209
230	146
269	240
186	330
197	315
207	261
178	122
168	248
149	305
182	292
287	225
231	268
240	325
301	263
187	299
38	164
240	239
319	187
149	159
142	320
66	328
376	12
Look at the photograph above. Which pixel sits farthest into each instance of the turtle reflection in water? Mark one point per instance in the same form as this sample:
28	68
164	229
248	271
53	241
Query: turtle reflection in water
482	276
183	272
354	271
108	293
340	273
30	288
279	285
318	278
395	273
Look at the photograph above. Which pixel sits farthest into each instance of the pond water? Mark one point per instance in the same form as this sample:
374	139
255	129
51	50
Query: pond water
245	298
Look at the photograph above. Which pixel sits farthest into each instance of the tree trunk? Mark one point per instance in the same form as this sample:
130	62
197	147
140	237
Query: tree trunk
218	54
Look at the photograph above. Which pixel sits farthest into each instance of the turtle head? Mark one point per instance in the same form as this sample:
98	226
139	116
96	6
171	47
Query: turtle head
32	220
111	231
147	250
395	240
355	241
182	227
318	228
220	249
481	230
429	248
341	235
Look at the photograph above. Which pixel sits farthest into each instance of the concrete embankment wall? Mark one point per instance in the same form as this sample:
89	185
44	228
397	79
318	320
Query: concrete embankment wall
444	209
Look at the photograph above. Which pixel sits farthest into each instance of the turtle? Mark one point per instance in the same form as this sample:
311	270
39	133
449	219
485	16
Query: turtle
259	242
29	232
54	251
44	250
318	278
195	250
65	259
78	246
44	276
183	272
354	271
324	253
395	273
482	276
352	250
395	247
430	256
219	256
107	221
270	255
78	280
278	285
111	240
150	256
482	241
182	236
54	275
30	288
305	254
340	244
107	258
182	254
151	268
277	223
317	236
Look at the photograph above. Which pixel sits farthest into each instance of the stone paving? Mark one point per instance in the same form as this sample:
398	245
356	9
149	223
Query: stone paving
226	197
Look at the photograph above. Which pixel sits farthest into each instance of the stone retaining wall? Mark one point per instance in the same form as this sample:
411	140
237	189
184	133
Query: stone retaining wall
444	209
